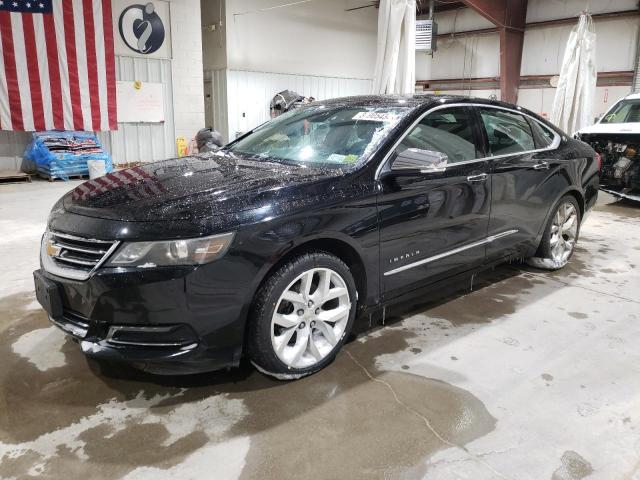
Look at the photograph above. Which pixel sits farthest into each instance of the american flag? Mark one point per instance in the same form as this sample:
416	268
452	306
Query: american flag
57	66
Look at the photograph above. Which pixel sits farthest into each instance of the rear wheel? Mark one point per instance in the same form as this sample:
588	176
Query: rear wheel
302	316
560	237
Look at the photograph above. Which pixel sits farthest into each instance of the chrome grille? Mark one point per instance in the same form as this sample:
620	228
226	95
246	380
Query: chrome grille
73	257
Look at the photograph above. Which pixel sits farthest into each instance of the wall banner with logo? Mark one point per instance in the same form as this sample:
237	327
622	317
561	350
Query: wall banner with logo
142	28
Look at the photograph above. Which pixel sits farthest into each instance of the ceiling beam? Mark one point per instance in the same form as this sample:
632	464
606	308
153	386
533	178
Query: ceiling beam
439	7
544	23
605	79
509	16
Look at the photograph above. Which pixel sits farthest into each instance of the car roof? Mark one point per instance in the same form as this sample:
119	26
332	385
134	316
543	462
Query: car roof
426	100
423	100
385	100
633	96
416	100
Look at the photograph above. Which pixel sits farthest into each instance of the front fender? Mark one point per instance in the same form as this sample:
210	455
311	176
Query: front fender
353	225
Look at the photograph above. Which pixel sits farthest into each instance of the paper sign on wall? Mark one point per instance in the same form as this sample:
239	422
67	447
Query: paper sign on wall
140	102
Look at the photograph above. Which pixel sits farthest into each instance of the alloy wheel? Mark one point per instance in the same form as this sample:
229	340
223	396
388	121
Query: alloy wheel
564	231
310	318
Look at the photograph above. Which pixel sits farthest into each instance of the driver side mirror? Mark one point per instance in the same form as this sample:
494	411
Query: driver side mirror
426	161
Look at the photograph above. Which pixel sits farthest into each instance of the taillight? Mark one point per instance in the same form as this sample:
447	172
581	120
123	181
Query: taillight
599	161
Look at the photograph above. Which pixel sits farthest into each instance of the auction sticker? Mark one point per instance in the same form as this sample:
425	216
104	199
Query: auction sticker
376	116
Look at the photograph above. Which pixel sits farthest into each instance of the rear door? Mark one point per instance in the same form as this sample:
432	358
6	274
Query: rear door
521	163
433	225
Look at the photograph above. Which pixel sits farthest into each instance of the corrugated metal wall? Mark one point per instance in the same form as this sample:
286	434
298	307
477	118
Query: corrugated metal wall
132	142
137	142
12	145
218	100
249	93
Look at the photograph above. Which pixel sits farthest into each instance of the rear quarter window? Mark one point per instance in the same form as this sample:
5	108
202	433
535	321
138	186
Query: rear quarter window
543	135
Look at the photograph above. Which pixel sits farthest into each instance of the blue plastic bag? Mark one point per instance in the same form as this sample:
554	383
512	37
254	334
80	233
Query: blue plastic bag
61	154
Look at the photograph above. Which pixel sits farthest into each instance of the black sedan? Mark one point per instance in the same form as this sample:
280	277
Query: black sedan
270	247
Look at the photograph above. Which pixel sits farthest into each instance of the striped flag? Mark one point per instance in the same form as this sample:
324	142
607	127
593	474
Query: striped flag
57	66
148	185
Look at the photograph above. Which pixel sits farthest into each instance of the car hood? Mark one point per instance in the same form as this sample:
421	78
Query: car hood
193	188
613	128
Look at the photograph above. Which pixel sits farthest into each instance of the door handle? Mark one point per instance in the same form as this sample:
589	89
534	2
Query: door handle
477	178
541	166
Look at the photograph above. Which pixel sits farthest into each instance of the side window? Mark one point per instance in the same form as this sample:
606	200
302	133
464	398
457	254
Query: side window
449	131
507	132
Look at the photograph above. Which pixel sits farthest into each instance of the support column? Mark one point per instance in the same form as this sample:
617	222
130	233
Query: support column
510	18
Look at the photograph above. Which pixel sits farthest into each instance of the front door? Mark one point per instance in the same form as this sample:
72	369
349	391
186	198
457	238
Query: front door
434	225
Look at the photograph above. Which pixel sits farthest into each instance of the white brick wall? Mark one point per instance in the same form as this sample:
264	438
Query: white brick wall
186	47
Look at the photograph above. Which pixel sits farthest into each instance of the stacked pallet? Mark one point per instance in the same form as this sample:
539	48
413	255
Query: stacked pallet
13	176
58	154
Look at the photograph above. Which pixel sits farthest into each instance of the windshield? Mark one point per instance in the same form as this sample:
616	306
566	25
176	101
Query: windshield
626	111
321	135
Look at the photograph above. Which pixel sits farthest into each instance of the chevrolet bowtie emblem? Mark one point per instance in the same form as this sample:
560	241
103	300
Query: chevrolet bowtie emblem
52	249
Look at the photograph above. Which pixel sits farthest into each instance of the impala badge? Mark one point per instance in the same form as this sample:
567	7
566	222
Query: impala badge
404	256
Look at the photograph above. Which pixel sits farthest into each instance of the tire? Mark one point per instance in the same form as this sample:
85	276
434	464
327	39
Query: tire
296	336
556	249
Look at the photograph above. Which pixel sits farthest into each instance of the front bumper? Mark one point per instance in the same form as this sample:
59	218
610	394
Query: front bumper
161	361
170	349
163	320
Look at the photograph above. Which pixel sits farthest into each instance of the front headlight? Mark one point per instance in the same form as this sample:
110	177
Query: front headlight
190	251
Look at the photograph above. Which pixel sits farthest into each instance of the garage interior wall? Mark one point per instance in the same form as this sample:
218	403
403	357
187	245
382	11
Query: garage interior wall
143	142
181	77
183	98
318	49
477	55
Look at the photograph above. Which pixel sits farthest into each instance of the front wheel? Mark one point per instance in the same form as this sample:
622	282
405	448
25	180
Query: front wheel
302	316
560	236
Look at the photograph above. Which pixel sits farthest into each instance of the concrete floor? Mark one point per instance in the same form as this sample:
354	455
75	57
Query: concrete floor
532	375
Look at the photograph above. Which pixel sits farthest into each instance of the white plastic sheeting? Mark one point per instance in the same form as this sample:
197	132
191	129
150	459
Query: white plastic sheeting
395	70
573	105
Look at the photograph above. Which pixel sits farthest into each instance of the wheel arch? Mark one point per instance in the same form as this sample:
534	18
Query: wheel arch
335	246
574	192
579	198
332	245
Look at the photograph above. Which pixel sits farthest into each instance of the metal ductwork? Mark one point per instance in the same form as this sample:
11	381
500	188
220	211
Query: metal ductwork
427	32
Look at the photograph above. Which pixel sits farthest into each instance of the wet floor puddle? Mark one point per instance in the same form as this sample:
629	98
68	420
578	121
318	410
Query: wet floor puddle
65	416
